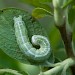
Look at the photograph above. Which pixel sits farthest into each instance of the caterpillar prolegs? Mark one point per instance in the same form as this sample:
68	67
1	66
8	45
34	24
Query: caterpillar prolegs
31	53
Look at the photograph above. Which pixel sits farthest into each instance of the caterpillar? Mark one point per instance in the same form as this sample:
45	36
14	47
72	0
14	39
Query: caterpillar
31	53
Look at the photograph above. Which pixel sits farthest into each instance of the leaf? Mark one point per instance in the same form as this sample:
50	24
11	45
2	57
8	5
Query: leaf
67	3
30	69
45	1
8	41
40	13
6	61
71	15
37	3
62	53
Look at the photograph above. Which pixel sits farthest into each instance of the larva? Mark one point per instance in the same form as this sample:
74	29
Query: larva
31	53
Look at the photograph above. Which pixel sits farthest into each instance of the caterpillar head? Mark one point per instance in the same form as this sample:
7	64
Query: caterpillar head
18	20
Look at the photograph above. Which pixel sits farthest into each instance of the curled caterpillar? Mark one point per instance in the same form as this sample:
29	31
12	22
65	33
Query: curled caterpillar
31	53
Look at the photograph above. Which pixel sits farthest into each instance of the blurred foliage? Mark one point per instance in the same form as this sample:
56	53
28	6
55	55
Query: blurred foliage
48	22
38	3
40	13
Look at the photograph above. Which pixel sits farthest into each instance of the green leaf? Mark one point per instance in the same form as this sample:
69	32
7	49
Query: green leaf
71	16
30	69
40	13
67	3
45	1
62	53
37	3
8	41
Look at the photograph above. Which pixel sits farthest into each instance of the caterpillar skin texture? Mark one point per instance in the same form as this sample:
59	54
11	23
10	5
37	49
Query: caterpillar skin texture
31	53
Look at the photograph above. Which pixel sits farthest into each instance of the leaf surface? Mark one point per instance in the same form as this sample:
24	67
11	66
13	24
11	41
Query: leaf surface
40	13
8	41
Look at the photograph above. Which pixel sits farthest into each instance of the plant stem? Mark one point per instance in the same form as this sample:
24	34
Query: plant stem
9	71
56	69
67	39
66	34
61	21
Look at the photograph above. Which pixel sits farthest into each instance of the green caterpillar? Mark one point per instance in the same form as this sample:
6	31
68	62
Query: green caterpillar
31	53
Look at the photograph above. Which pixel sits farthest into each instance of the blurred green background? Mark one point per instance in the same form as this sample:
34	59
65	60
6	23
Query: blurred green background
54	37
